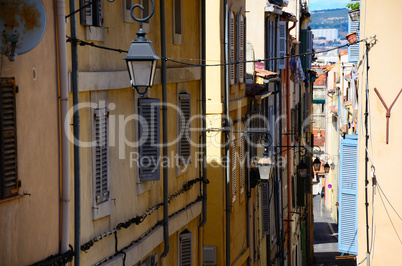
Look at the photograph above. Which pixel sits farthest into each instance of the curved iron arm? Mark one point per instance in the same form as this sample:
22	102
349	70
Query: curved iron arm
140	20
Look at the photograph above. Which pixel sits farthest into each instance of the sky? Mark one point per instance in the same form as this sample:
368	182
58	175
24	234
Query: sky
327	4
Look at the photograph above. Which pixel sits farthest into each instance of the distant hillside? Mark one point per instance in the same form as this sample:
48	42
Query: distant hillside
331	19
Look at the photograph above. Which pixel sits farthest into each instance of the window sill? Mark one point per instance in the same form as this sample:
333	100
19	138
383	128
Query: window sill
11	198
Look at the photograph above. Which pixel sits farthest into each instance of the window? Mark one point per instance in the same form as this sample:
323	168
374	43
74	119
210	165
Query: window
8	139
233	166
177	22
101	205
92	15
149	139
185	248
101	156
265	205
282	44
240	48
348	196
184	128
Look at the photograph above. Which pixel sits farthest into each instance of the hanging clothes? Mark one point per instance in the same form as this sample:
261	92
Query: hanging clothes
296	69
353	89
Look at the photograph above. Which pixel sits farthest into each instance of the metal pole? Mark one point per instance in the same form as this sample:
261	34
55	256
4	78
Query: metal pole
165	138
76	128
366	182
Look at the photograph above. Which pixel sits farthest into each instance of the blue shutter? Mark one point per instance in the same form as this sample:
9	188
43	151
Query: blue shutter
353	50
347	239
149	138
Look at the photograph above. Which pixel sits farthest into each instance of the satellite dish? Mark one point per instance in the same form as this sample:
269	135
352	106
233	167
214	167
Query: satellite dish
22	26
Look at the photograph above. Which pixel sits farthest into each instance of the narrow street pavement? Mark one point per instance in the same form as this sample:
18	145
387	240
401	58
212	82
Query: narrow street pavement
326	237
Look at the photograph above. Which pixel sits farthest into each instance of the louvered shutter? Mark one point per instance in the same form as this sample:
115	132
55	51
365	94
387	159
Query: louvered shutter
353	50
8	139
240	48
347	239
149	138
185	248
242	164
309	48
184	125
306	47
306	106
265	207
282	44
101	156
233	166
91	15
231	48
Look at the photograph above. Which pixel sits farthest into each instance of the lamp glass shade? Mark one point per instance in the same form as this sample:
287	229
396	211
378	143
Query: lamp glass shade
265	167
326	168
317	164
141	64
302	169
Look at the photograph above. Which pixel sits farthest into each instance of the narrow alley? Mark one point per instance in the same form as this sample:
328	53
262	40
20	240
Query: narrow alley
326	236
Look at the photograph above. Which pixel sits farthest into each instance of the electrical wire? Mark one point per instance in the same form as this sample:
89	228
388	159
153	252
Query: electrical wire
381	191
390	219
85	43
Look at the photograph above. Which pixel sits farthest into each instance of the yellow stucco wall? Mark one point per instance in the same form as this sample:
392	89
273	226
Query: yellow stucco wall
30	224
129	198
384	74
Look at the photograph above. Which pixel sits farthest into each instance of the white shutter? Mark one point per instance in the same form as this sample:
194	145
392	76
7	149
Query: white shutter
240	48
282	44
231	48
149	138
185	248
184	127
101	156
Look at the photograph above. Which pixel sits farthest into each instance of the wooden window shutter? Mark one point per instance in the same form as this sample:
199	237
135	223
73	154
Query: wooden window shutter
185	248
233	166
102	191
242	168
184	126
8	139
300	191
347	242
309	48
306	106
231	48
240	48
265	207
149	138
282	44
92	15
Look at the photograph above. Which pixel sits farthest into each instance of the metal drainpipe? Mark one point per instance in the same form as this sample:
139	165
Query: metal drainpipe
204	114
65	144
165	138
227	137
76	127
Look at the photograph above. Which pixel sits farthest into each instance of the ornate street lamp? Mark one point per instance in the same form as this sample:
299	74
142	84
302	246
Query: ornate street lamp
317	164
141	58
302	169
326	168
265	166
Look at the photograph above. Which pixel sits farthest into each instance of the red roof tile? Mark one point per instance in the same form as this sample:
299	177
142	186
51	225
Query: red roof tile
321	80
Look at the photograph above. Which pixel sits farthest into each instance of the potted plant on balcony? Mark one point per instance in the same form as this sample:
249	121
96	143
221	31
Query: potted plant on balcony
354	12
